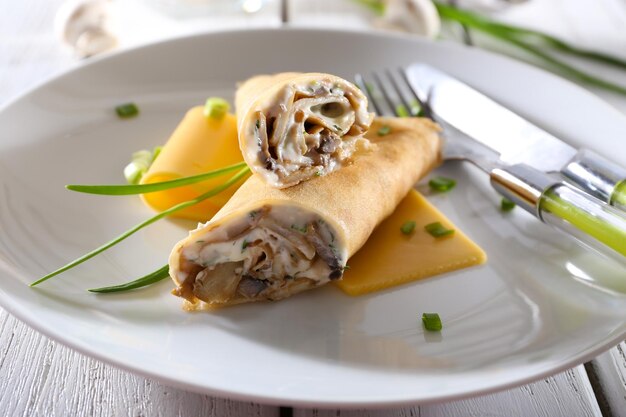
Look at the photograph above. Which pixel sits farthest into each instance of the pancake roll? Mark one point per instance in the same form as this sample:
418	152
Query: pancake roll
293	126
268	243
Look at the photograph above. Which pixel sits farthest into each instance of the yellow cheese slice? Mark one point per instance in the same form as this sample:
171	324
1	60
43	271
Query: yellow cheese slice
199	144
392	258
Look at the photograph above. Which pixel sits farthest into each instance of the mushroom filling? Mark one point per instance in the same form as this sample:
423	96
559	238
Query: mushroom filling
312	128
263	255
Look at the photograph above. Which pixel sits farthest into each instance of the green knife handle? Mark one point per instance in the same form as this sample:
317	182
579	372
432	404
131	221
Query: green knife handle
618	197
599	177
584	217
565	207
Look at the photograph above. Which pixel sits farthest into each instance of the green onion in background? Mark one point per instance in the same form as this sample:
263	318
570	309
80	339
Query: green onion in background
531	41
432	322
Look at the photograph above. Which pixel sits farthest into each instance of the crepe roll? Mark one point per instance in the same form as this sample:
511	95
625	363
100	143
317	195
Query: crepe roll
268	243
294	126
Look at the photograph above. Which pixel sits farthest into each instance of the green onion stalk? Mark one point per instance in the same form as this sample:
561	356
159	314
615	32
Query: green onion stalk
138	189
531	41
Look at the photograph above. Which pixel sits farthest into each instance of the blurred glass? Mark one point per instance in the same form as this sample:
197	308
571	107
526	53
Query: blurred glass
486	5
198	8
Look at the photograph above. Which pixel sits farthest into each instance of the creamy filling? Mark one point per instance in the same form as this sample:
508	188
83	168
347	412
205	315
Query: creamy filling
263	255
311	130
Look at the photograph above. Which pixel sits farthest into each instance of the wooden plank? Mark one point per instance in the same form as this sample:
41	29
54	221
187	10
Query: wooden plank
566	394
608	376
39	377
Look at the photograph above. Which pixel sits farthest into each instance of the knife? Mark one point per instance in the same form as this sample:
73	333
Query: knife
527	178
514	138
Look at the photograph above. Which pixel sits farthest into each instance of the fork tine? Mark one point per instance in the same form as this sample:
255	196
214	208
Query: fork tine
365	87
385	93
400	94
425	110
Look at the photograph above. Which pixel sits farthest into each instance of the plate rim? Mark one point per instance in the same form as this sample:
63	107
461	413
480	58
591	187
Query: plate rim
13	306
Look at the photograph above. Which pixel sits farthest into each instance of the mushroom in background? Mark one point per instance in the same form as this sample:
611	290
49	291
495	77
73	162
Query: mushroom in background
85	26
414	16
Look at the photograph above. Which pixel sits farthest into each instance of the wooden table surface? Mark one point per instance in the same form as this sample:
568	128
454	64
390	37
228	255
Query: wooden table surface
39	377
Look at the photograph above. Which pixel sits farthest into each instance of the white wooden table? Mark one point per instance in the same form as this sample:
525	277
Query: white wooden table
39	377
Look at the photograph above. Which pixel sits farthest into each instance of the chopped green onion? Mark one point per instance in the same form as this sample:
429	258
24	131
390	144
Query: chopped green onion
139	165
153	277
436	229
402	111
506	204
384	130
416	109
244	245
215	190
216	108
442	184
127	110
346	267
376	6
150	188
135	170
432	322
337	128
408	227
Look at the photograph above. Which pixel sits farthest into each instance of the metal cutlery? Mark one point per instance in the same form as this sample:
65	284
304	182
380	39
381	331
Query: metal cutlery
541	192
514	138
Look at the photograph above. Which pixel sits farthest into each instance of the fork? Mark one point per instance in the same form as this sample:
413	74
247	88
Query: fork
546	197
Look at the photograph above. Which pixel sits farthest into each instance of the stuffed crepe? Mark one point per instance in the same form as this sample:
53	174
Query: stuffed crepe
295	126
268	243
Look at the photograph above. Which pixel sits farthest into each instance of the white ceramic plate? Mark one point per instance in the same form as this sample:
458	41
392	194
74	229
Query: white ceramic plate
538	306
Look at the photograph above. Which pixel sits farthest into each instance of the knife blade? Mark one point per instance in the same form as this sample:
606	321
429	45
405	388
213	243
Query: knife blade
516	139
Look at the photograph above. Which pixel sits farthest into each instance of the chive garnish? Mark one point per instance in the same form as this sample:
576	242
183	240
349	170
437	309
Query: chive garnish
506	204
416	109
402	111
337	128
244	245
139	164
432	322
346	267
216	108
384	130
441	184
124	189
127	110
408	227
215	190
436	229
153	277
